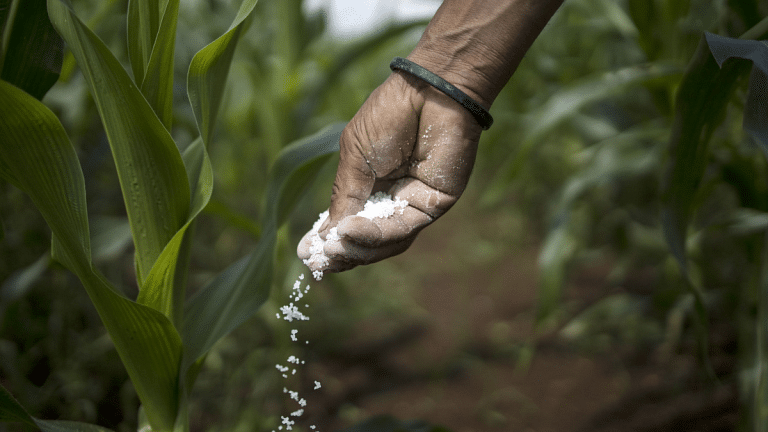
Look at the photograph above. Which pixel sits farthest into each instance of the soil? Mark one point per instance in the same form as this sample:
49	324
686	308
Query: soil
473	361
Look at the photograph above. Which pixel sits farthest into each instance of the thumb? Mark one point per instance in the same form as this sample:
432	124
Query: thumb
353	184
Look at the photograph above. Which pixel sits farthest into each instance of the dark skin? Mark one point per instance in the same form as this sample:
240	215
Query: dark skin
414	142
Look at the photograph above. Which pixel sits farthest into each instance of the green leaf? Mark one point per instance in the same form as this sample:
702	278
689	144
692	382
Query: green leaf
756	124
564	105
37	157
228	300
149	166
208	71
12	411
233	218
143	23
164	289
31	51
699	107
295	168
157	85
18	283
746	221
756	107
557	252
110	237
237	293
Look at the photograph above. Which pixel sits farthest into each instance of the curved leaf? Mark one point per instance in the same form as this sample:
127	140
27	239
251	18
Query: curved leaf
31	51
699	106
756	107
19	282
149	166
564	105
143	23
208	71
163	289
37	157
237	293
294	169
228	300
157	85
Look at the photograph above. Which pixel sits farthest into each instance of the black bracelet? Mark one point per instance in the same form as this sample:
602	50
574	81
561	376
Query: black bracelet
482	116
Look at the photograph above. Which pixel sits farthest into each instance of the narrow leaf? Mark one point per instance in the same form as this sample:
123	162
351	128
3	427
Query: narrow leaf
149	166
228	300
567	103
295	168
208	71
699	106
157	85
110	237
237	293
31	51
18	283
143	23
164	288
756	107
37	157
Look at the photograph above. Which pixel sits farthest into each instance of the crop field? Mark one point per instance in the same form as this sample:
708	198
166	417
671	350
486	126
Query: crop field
605	270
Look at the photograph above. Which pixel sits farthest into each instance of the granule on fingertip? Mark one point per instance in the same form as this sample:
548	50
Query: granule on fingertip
379	205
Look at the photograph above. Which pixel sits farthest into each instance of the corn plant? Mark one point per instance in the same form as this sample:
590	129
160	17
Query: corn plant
648	165
160	337
703	96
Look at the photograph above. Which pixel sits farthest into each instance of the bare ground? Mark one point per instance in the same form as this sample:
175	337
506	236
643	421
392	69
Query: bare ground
473	362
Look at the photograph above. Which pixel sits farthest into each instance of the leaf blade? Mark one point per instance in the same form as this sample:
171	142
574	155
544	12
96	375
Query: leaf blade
37	157
237	293
208	70
164	287
150	169
157	85
143	22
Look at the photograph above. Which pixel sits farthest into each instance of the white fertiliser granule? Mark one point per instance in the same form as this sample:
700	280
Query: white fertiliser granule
290	313
379	205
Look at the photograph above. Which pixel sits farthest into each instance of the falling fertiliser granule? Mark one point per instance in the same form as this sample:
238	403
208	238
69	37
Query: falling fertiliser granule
379	205
292	313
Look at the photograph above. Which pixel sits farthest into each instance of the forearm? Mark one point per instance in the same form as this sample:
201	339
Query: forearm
477	44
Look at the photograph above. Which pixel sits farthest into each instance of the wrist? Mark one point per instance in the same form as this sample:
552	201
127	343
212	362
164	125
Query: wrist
477	45
481	115
457	70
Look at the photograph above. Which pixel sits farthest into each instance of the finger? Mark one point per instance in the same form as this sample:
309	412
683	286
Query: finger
303	249
353	183
344	255
379	232
375	144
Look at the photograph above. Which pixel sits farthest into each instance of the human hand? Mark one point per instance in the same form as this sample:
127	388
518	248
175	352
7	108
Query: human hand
411	141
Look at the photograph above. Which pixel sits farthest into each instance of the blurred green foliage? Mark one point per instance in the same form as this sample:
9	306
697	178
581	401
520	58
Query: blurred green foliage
579	148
